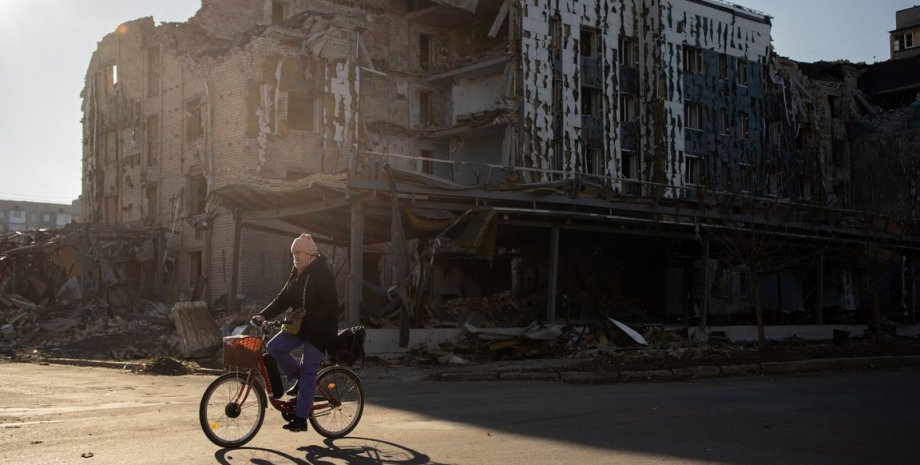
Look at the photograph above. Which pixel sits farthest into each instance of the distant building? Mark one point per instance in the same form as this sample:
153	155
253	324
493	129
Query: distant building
905	38
17	215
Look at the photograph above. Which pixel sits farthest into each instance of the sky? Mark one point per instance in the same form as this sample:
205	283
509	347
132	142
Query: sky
46	46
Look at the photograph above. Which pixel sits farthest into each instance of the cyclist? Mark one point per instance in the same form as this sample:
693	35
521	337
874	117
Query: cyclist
310	287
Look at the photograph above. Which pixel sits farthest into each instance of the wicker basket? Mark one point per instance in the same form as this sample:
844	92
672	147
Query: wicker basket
241	351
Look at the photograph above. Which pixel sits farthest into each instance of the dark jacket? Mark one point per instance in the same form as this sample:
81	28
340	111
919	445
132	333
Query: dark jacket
320	322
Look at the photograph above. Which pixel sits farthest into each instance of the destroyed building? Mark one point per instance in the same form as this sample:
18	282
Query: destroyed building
557	160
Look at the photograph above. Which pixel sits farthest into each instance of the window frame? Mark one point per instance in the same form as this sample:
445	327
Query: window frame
17	215
741	71
425	115
693	170
628	51
425	51
725	121
693	59
693	113
426	165
594	39
746	175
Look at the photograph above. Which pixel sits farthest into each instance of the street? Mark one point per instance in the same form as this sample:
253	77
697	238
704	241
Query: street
78	415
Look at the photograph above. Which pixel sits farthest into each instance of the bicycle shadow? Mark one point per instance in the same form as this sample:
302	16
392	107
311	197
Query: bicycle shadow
350	451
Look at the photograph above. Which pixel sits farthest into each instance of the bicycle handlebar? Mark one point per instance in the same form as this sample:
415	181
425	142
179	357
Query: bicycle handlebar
268	324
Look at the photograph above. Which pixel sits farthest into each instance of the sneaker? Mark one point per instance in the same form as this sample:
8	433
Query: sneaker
297	424
293	390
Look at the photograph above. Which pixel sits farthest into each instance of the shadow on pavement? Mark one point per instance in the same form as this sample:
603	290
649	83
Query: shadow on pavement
351	451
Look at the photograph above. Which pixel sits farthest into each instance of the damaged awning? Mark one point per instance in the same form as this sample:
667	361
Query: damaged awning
322	204
455	13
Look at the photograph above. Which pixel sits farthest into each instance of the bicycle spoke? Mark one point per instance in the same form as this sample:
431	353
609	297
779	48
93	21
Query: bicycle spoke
226	421
345	403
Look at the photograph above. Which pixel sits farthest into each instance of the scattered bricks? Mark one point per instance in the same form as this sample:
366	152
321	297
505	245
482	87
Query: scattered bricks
588	377
647	375
529	376
741	370
706	371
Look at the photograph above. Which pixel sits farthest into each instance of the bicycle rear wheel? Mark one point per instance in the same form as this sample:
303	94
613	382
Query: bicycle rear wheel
231	412
339	412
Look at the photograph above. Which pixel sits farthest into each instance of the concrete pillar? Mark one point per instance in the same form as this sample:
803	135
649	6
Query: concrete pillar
234	263
819	291
553	273
707	283
912	286
356	263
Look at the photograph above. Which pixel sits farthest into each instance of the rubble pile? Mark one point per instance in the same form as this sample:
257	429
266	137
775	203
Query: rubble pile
498	310
589	339
81	291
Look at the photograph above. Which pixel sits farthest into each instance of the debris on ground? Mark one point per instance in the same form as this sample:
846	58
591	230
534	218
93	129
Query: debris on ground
82	291
164	366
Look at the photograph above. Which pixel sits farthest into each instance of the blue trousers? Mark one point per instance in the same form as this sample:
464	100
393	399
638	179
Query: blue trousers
304	371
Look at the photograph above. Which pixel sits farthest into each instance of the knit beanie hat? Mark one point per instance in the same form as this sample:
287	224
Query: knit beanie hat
304	243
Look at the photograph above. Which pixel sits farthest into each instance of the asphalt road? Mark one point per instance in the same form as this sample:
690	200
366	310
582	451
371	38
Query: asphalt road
77	415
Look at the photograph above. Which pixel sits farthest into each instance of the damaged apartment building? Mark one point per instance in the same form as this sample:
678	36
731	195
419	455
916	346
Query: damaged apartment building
511	160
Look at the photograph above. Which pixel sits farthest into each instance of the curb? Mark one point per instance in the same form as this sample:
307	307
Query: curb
130	366
697	372
595	377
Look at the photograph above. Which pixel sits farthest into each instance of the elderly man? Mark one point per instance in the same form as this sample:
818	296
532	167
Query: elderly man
312	324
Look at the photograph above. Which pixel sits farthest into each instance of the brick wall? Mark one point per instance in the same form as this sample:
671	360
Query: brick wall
213	61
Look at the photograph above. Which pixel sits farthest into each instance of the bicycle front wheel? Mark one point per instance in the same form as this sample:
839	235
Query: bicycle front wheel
231	412
342	404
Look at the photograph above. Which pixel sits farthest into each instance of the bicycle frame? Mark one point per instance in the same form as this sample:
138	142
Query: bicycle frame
228	421
284	406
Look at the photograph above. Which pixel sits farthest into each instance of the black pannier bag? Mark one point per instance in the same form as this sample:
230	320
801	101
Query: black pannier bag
349	346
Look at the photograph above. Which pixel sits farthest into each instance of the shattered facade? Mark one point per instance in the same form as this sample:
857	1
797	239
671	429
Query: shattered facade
562	159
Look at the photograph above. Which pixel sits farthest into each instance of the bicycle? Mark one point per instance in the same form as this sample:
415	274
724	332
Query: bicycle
233	406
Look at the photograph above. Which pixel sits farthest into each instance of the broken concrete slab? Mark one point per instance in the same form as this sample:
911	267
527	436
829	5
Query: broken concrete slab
198	333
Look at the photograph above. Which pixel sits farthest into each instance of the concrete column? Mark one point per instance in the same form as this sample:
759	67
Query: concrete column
707	283
234	263
553	273
356	263
912	286
819	291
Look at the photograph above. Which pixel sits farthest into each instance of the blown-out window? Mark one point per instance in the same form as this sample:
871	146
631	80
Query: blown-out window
193	121
693	60
693	115
302	113
694	170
